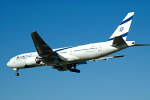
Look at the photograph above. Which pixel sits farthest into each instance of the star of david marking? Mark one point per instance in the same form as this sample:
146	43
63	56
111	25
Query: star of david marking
121	29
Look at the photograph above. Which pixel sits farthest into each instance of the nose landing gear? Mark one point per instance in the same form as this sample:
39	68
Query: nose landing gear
17	74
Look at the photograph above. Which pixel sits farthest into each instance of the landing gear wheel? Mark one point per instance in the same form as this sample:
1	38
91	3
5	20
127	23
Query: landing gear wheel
78	71
17	74
75	70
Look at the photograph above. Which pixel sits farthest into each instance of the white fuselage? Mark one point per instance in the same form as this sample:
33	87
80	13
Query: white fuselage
69	55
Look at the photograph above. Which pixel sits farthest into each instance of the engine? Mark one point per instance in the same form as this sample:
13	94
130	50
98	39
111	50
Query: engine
32	61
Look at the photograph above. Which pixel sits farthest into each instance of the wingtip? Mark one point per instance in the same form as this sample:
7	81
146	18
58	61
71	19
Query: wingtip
34	32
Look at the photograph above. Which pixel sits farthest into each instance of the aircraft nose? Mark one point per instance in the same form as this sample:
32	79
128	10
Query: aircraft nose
9	64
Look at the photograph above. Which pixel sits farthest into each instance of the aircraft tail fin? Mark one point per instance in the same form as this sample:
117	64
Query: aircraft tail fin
123	29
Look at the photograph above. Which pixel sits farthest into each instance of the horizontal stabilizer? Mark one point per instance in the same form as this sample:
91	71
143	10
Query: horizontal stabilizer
118	41
107	58
141	45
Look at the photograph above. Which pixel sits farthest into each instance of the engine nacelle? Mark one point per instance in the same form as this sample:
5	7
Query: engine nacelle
31	61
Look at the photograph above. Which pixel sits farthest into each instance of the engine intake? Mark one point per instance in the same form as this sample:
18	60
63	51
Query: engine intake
38	60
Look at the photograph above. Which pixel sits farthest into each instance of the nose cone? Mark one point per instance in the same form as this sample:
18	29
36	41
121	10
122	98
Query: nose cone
9	64
16	64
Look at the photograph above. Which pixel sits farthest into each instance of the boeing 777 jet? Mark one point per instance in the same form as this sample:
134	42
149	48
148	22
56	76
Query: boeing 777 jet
67	58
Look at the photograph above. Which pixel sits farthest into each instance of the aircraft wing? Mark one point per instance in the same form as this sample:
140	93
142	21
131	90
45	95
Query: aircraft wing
42	48
107	58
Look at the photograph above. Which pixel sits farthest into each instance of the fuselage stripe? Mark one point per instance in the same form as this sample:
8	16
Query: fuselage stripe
62	49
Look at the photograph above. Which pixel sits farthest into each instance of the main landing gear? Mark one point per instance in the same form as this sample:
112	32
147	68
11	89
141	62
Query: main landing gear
74	69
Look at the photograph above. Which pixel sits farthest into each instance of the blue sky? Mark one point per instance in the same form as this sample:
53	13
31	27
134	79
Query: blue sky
64	23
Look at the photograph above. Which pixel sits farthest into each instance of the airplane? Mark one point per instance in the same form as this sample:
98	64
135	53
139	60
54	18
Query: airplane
67	58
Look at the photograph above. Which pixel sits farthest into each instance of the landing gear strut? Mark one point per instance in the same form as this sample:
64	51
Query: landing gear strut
17	74
74	65
73	69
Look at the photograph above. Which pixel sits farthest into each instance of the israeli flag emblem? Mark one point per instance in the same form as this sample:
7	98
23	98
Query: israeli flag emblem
121	29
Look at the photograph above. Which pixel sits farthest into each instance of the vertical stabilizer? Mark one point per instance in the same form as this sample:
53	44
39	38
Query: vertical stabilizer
123	29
